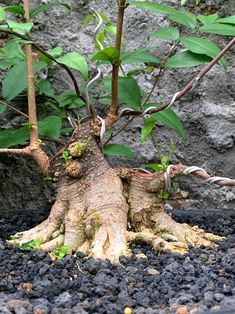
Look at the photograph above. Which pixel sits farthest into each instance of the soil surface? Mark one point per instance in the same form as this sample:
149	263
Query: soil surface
202	280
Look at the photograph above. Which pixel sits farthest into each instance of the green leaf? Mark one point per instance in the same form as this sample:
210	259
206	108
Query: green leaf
56	52
186	59
108	54
30	245
220	29
45	88
185	18
128	91
147	129
111	29
183	2
2	14
118	150
208	19
75	61
15	80
2	108
69	99
22	28
168	33
12	137
155	167
12	49
138	56
159	8
203	46
168	117
48	6
227	20
50	127
18	9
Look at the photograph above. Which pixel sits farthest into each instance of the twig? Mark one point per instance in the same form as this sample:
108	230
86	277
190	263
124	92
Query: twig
13	108
188	87
32	112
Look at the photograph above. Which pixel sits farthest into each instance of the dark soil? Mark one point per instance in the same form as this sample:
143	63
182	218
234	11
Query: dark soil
203	280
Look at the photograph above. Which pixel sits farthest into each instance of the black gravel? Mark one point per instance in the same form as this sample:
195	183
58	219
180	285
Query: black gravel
203	280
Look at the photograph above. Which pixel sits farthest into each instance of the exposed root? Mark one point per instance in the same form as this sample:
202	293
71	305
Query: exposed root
156	227
158	243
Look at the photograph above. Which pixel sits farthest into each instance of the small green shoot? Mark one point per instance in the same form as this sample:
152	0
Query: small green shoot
66	155
96	220
60	252
30	245
163	195
13	237
48	178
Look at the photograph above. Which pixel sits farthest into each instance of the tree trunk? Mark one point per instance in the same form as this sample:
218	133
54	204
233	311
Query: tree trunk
94	203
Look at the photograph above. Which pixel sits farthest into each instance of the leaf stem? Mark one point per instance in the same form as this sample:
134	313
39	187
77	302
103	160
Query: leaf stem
13	108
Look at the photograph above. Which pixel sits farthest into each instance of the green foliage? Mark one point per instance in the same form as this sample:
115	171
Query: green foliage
169	33
75	61
128	91
138	56
186	59
30	245
219	29
190	34
40	9
108	54
61	252
202	46
168	117
50	127
118	150
66	156
21	28
15	81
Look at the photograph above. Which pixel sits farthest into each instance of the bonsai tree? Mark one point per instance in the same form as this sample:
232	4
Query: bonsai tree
100	210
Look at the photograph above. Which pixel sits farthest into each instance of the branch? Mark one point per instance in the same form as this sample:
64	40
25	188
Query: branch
32	112
41	49
186	89
13	108
113	112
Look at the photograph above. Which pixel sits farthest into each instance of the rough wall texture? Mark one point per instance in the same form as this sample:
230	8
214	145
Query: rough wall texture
208	112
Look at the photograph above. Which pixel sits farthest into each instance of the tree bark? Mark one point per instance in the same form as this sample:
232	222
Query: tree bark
95	203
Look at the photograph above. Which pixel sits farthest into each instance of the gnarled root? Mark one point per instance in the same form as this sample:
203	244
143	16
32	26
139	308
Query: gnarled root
152	225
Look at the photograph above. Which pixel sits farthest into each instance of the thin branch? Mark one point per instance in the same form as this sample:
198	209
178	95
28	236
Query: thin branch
16	151
113	112
161	70
40	49
13	108
189	86
32	112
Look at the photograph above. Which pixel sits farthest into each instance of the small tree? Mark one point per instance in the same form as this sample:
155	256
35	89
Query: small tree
98	209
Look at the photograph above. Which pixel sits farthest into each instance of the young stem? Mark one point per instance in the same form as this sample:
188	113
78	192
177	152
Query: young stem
113	112
32	113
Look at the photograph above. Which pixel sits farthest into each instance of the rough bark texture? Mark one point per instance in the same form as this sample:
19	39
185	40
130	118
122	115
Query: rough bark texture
93	206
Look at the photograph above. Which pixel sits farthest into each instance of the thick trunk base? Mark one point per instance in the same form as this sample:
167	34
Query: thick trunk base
95	204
